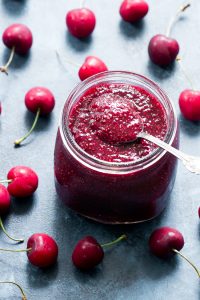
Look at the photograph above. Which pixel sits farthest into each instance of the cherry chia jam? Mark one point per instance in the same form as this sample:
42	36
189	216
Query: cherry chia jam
102	170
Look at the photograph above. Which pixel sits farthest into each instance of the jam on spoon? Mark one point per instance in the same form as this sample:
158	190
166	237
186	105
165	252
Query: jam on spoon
117	121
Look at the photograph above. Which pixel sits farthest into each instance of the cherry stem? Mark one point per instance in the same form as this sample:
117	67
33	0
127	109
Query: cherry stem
68	61
19	141
6	181
174	19
20	250
122	237
16	284
4	69
82	3
10	237
184	257
178	59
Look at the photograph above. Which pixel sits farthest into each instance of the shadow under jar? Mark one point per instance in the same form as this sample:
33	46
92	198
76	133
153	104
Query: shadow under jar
131	182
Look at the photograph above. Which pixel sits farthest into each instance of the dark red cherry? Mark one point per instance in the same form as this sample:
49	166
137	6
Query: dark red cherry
189	103
80	22
164	240
91	66
23	181
44	250
133	10
87	254
163	50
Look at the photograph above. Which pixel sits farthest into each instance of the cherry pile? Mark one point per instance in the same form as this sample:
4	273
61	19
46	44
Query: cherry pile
21	182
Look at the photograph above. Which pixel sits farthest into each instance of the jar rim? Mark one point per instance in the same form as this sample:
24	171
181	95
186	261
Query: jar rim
116	167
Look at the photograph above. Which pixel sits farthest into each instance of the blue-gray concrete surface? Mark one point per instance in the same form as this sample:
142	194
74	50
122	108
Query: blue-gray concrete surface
129	271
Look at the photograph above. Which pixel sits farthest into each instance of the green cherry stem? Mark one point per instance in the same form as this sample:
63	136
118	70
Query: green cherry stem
20	250
6	181
16	284
122	237
4	69
174	19
185	258
10	237
19	141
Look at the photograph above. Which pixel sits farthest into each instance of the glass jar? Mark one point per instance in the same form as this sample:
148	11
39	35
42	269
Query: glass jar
109	192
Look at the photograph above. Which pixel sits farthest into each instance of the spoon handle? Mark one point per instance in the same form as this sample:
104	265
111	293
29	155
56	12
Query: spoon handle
192	163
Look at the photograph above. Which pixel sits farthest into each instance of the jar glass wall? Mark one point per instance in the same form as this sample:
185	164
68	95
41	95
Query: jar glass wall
110	192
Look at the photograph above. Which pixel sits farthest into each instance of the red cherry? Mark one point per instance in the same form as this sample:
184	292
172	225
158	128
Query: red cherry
38	100
87	254
80	22
0	108
164	240
163	50
133	10
4	200
44	250
91	66
23	181
18	36
189	103
40	97
199	212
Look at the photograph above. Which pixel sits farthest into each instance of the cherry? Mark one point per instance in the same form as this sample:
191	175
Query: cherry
42	250
0	108
162	49
38	100
166	241
4	208
19	39
17	285
199	212
80	22
4	200
189	103
88	253
22	181
133	10
91	66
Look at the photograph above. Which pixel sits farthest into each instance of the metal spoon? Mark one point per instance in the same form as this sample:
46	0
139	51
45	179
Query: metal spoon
192	163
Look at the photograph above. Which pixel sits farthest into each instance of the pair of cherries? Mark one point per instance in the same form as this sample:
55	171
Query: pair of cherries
81	21
163	242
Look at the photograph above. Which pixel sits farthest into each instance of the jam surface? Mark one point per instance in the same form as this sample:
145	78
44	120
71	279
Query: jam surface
107	117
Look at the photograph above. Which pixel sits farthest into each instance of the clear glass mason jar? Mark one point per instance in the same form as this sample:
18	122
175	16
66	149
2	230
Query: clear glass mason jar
115	193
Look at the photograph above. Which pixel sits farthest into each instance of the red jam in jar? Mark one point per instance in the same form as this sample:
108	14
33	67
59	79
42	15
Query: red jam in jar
102	170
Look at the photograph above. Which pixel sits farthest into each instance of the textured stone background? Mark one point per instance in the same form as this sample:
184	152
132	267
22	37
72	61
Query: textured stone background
129	271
